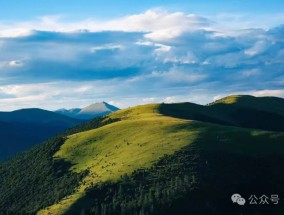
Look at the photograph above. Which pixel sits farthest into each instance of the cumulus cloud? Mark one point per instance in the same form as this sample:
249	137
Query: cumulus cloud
158	23
278	93
146	57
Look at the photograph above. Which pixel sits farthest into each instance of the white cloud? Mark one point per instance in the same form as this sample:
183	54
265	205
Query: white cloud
188	58
83	89
15	63
170	99
148	56
258	48
178	75
15	32
11	64
159	24
160	48
250	72
115	103
227	60
106	47
277	93
217	97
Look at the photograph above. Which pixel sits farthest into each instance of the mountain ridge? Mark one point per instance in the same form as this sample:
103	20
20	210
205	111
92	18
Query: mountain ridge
91	111
266	103
266	113
24	128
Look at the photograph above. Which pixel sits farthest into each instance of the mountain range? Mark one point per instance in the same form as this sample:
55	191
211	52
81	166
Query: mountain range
89	112
22	129
166	159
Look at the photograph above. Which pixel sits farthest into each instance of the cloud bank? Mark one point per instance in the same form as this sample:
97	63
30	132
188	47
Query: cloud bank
155	56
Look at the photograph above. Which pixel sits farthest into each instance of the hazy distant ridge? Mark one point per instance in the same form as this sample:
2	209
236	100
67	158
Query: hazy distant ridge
89	112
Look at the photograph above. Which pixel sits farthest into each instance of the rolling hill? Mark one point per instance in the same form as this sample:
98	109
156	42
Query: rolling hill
89	112
153	159
21	129
265	113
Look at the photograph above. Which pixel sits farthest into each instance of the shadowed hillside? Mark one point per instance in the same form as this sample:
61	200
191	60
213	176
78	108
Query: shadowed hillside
22	129
266	113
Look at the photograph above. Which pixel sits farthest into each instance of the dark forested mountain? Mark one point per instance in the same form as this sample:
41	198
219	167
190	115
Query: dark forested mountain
21	129
89	112
156	159
265	113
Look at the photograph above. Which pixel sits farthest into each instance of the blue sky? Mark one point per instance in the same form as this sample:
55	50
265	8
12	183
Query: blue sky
56	54
16	10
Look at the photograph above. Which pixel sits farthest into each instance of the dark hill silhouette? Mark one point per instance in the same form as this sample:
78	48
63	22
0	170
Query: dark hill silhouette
266	113
21	129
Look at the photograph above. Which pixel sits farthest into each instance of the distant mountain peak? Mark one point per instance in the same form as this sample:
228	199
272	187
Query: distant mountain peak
91	111
97	108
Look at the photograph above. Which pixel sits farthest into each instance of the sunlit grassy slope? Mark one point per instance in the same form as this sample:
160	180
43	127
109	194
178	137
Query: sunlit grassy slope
139	139
142	136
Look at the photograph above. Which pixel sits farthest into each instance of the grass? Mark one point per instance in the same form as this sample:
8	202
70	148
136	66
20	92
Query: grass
142	136
229	100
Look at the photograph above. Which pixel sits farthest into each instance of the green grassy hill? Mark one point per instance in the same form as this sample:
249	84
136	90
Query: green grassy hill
152	159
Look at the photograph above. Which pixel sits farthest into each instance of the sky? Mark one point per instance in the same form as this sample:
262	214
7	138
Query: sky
66	54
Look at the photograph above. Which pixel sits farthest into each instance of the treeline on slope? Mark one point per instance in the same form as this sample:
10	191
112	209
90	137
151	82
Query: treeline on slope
145	191
192	181
92	124
33	180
